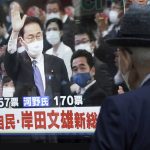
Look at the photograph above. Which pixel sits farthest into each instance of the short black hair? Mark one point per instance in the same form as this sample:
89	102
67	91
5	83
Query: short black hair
57	21
57	2
81	29
83	53
6	79
30	19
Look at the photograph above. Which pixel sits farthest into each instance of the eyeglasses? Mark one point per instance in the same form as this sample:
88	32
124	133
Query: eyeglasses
77	42
52	29
31	37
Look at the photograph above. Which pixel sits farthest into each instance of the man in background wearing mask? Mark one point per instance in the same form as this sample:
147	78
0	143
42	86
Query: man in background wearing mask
85	40
114	16
84	83
105	52
55	9
54	78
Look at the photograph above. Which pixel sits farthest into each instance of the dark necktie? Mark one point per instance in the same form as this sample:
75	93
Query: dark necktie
37	78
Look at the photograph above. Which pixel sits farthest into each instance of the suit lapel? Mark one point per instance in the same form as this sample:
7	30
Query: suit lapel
48	67
146	83
26	64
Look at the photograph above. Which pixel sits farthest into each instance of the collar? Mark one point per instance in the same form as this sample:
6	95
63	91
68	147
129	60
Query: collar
59	49
38	59
104	33
90	84
86	87
145	79
110	27
65	18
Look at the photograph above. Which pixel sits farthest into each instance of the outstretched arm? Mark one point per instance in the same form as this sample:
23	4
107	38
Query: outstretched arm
11	62
17	24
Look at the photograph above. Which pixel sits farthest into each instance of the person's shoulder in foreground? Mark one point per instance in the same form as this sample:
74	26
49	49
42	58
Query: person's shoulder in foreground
123	122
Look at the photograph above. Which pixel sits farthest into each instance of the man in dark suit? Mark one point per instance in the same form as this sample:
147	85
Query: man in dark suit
19	65
123	122
83	80
83	83
84	39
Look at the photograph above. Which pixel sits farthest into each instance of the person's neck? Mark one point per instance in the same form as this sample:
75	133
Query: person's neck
144	76
138	76
56	46
37	58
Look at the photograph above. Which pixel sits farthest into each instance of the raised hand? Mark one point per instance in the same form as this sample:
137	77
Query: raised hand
17	21
120	90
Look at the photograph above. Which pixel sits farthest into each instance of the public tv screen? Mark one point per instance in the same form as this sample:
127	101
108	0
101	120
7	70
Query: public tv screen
32	118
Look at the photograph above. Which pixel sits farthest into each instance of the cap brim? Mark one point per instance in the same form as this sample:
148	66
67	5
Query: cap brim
133	42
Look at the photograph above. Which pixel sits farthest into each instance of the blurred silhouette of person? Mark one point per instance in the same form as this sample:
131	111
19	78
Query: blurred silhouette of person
123	121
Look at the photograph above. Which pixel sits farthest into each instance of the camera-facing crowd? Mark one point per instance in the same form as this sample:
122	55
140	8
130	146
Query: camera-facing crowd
45	36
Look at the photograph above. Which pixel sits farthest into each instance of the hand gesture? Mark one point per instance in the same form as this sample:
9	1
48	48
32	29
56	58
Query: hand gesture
120	90
17	21
75	88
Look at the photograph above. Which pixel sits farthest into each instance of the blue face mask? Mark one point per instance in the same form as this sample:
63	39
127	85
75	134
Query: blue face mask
81	79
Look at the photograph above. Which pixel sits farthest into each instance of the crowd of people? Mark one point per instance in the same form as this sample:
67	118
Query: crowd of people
47	53
57	34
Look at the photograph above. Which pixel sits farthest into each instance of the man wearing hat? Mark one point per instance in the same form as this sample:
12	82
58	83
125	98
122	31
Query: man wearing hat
124	120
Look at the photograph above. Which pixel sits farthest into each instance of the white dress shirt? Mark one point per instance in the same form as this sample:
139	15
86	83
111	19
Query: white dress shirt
145	79
64	18
83	90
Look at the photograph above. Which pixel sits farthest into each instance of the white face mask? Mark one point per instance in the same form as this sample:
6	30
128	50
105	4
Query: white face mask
53	37
118	78
113	17
126	78
53	15
35	49
21	49
8	91
84	46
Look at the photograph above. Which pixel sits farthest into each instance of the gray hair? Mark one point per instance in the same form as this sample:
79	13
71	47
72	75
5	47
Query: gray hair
141	55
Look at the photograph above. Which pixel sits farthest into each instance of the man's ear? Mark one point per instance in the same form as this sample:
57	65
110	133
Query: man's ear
93	71
61	33
125	61
21	41
93	45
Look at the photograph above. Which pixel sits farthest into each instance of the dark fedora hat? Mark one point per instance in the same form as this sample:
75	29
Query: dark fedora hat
134	29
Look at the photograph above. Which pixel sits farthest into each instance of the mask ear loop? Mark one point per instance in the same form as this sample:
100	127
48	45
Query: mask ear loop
24	43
